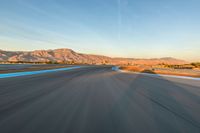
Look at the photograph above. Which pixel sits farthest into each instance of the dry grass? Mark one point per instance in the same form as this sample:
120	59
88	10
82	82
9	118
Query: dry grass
133	68
151	70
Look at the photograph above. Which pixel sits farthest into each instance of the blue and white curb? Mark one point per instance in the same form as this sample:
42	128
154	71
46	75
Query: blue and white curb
17	74
115	68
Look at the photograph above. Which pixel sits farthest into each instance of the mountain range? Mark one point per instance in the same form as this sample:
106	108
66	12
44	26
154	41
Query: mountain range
69	56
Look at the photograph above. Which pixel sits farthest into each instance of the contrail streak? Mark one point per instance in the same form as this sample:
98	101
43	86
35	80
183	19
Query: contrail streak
119	19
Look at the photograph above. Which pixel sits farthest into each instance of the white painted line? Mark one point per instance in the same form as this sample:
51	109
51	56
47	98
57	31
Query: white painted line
159	75
17	74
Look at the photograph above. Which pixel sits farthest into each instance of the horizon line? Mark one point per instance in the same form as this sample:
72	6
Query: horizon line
139	58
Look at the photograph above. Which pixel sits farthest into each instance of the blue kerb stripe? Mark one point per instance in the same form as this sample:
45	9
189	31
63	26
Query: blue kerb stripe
16	74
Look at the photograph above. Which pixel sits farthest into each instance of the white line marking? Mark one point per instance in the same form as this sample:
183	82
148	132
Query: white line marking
157	75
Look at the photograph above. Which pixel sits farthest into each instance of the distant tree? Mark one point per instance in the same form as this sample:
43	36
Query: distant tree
52	62
196	64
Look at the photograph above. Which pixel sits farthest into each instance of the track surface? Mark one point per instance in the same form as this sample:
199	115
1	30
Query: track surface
98	100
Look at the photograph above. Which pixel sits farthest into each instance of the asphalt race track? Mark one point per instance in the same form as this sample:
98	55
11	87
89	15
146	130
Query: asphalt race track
98	100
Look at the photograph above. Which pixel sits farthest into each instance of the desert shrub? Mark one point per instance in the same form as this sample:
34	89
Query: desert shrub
196	64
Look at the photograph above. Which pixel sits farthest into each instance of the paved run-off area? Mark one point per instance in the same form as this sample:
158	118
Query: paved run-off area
98	100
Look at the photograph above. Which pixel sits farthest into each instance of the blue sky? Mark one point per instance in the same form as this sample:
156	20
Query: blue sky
126	28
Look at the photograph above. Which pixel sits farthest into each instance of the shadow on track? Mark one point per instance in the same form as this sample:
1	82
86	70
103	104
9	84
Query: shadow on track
154	104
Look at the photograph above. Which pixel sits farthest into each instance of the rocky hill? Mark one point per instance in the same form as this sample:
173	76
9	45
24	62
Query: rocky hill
70	56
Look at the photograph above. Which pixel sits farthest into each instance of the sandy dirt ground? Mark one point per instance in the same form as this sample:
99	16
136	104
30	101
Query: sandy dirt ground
166	71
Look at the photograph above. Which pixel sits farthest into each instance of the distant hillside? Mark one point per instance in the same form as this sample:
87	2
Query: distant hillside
70	56
154	61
